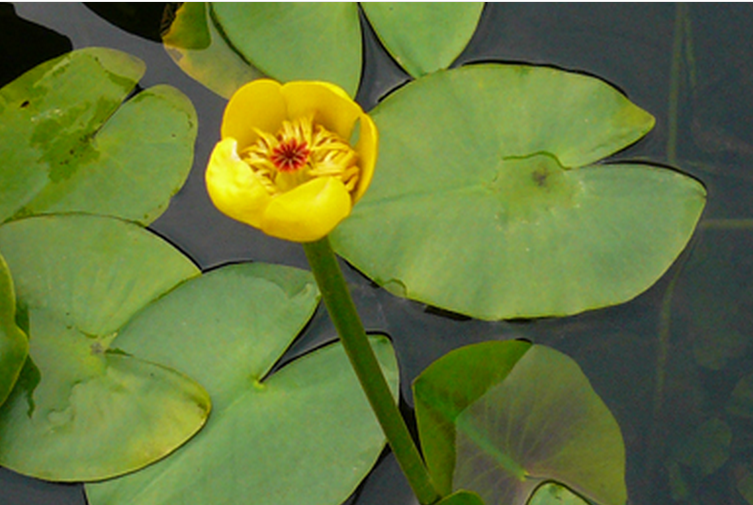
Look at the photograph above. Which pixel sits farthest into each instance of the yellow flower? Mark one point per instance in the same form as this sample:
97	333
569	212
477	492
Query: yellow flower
285	164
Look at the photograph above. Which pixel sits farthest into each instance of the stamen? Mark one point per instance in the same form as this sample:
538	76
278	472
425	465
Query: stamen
300	151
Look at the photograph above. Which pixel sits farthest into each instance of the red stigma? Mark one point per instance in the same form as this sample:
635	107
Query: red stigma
290	155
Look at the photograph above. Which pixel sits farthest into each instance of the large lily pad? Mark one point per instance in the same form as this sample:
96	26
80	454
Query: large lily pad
68	143
543	423
424	37
194	43
296	41
303	434
82	410
14	346
486	201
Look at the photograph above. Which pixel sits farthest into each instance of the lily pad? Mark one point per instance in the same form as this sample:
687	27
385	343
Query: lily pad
69	143
446	388
424	37
542	423
552	493
14	345
494	207
81	409
194	43
462	498
296	41
303	434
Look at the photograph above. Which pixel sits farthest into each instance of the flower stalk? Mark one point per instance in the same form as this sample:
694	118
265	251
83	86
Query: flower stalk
343	313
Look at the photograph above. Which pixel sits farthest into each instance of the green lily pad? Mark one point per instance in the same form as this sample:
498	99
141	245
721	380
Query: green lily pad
493	206
81	409
296	41
424	37
446	388
542	423
301	434
69	143
194	43
552	493
462	498
14	345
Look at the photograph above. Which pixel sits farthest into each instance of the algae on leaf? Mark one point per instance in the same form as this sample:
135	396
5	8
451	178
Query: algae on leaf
69	142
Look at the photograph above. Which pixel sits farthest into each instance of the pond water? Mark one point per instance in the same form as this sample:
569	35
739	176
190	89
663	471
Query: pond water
666	363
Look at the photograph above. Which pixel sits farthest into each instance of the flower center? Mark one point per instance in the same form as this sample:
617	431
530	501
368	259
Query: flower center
299	152
290	155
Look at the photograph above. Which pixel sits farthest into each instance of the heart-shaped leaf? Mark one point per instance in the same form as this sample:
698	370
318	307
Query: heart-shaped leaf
552	493
81	409
446	388
14	345
68	143
462	498
542	423
303	434
424	37
494	209
194	43
296	41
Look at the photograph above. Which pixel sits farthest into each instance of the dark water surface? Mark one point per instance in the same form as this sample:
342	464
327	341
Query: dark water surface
666	363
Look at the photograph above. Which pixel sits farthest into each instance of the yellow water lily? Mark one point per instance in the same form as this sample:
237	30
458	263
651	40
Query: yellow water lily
286	162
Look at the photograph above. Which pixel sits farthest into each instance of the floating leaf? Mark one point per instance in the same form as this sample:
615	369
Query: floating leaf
486	184
81	409
14	345
296	41
446	388
194	43
552	493
542	423
462	498
303	434
424	37
68	143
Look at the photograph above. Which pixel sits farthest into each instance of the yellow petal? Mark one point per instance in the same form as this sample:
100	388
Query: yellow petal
330	106
308	212
234	188
366	147
258	104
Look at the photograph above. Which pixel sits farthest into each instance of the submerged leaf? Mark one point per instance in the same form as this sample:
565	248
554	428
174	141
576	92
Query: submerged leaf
14	345
195	44
82	409
542	423
69	143
486	182
424	37
303	434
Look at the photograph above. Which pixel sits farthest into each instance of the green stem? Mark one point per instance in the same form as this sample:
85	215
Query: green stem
343	313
